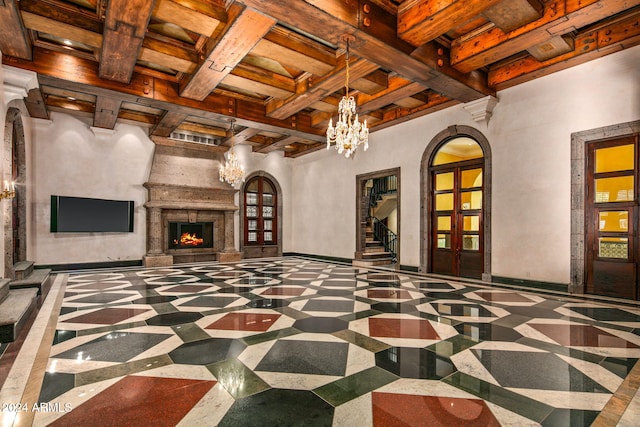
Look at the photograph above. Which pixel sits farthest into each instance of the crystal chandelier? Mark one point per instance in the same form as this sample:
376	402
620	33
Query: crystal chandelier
232	171
348	132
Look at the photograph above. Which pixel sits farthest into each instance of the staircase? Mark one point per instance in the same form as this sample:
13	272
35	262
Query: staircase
19	297
374	253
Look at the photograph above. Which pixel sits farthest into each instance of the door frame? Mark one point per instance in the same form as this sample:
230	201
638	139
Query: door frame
279	205
425	193
579	142
362	208
14	162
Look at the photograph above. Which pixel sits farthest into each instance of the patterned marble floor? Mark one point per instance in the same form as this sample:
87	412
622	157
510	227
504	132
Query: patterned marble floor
292	341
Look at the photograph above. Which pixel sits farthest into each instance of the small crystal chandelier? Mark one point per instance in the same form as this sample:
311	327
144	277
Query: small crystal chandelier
348	132
232	171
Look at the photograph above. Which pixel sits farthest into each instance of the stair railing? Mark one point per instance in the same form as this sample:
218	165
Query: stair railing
388	238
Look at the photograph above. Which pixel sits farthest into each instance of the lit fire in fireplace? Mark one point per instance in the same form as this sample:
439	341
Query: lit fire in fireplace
188	239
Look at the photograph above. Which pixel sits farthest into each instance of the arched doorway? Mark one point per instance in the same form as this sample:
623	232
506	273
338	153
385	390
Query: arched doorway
261	217
15	212
455	221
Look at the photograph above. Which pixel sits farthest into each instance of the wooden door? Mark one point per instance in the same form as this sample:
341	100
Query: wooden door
611	218
260	218
457	243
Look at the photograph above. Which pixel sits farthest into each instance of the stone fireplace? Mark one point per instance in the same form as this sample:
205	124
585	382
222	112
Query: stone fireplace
190	213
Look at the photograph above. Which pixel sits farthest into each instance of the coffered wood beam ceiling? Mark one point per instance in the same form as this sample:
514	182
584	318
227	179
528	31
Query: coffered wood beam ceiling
376	41
278	67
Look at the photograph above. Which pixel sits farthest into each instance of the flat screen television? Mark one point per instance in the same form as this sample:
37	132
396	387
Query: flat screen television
87	215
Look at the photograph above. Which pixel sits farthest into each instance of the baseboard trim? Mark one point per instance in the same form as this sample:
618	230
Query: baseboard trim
409	268
548	286
320	257
91	265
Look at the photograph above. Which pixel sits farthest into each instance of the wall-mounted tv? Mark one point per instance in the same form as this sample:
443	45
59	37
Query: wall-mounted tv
87	215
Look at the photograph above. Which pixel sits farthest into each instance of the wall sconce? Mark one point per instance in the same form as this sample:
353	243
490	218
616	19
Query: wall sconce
8	190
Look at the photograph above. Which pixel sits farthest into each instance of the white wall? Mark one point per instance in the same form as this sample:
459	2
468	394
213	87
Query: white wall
530	138
69	160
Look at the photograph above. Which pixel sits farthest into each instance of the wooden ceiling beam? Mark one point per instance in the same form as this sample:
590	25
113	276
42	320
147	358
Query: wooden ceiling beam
393	116
73	107
61	29
240	137
243	31
560	17
14	39
165	54
67	71
291	58
398	89
589	45
168	123
125	26
199	17
329	20
266	77
371	83
36	105
276	144
106	112
136	118
422	21
319	90
202	129
305	149
64	12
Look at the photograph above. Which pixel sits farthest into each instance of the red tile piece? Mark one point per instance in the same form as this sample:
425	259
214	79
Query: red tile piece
391	410
503	296
245	322
135	401
402	328
388	293
290	292
581	336
107	316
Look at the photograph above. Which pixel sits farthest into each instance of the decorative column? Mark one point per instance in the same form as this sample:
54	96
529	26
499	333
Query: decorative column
229	252
155	256
155	231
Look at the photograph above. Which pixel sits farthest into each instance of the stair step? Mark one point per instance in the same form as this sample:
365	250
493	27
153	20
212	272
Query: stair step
38	279
14	311
374	249
376	255
22	269
4	289
372	262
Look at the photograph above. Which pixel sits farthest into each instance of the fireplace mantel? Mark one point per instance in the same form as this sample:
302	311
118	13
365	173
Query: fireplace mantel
168	202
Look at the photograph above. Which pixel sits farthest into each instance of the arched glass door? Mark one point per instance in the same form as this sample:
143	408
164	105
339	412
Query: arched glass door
457	194
260	218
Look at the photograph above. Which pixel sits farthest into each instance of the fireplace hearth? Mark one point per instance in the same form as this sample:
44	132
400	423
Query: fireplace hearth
186	235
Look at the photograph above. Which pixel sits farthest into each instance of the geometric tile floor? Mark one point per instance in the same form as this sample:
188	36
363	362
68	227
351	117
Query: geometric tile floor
293	341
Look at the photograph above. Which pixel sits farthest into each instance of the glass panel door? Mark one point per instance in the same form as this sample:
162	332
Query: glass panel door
457	246
611	218
260	212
